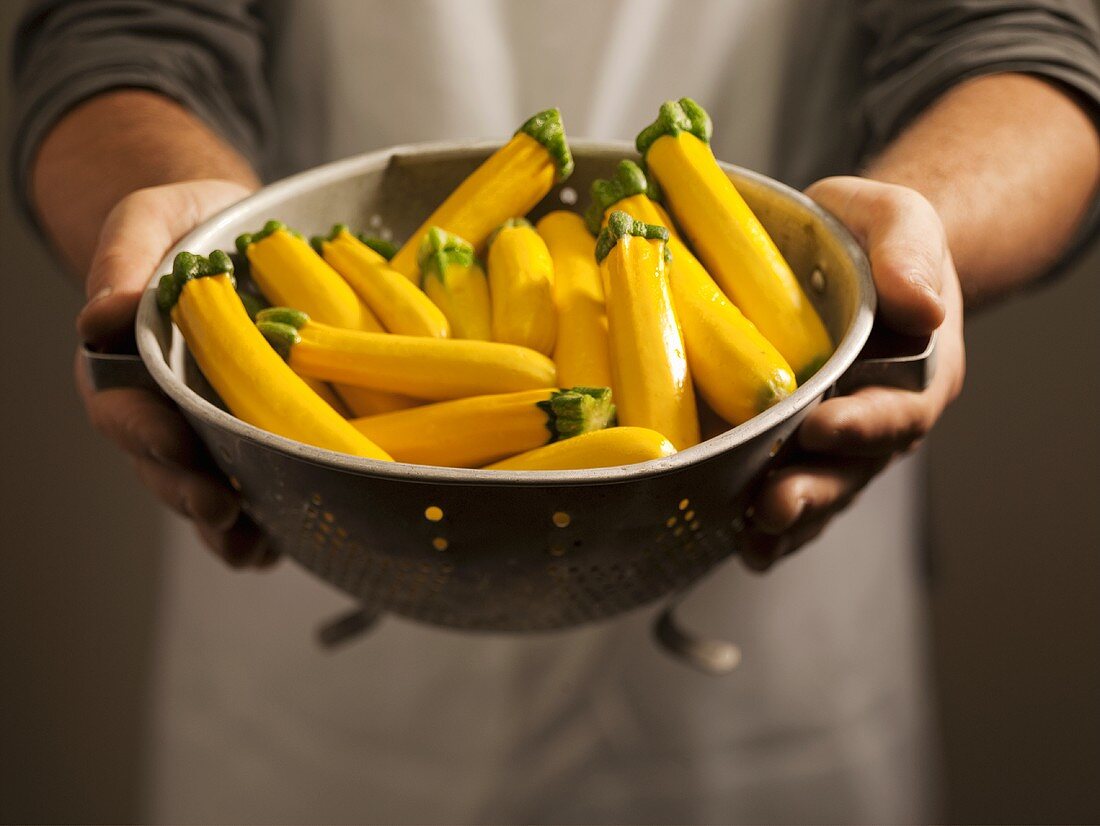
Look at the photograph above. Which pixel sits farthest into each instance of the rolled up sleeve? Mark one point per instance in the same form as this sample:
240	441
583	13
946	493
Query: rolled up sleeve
208	55
918	50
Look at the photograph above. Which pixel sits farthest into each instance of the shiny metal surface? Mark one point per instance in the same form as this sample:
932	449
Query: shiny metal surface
512	552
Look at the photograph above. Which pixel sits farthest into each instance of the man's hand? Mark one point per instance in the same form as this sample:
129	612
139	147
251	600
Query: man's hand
167	455
847	440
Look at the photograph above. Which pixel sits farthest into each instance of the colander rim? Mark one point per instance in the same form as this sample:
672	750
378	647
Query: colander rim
192	403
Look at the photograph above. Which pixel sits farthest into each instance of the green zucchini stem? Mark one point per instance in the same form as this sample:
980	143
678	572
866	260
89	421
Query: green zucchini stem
546	127
280	336
245	240
578	410
387	249
629	180
317	241
674	117
440	249
283	315
188	265
620	225
511	223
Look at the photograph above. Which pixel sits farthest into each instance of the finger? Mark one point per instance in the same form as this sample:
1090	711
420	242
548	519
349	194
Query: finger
269	557
192	495
803	492
242	545
145	427
759	552
140	422
905	243
872	422
135	236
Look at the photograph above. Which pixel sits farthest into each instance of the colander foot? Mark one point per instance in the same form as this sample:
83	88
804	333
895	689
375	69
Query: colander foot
715	657
345	628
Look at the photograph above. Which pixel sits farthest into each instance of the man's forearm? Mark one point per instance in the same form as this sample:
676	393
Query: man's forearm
110	146
1011	164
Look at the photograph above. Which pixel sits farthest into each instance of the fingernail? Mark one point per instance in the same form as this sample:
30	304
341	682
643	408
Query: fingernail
99	296
921	281
782	547
217	511
775	527
224	516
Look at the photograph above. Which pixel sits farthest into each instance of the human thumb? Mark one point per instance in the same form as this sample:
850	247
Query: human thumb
904	241
137	234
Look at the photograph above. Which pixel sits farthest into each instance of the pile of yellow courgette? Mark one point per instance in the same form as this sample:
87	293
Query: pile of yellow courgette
420	355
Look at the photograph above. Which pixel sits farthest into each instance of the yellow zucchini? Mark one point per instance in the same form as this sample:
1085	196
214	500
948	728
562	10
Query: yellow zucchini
436	369
455	282
329	396
362	401
629	186
733	244
521	284
734	367
649	366
255	384
288	271
511	181
613	447
581	349
475	431
396	301
252	305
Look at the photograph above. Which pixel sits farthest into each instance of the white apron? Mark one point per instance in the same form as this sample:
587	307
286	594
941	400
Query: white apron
825	720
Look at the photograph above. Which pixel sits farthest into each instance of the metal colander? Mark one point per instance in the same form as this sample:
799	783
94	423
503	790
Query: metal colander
506	551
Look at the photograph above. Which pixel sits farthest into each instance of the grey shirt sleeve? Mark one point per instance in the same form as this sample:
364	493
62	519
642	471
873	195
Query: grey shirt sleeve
917	50
206	54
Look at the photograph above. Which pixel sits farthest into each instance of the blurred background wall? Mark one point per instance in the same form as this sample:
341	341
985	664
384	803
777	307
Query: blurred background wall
1014	501
79	558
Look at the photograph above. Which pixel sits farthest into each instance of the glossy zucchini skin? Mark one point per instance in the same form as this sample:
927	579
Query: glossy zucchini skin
256	385
394	300
290	272
434	369
581	349
736	369
650	375
729	239
482	429
453	279
521	285
510	182
613	447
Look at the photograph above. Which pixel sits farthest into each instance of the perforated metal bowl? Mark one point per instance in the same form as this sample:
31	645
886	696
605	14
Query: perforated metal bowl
506	551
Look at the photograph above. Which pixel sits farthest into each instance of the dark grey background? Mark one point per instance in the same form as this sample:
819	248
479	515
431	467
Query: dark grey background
1014	503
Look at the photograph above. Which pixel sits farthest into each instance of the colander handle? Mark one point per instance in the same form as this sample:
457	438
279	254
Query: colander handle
108	371
711	656
347	627
890	359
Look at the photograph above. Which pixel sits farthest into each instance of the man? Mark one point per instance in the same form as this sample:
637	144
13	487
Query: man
972	124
